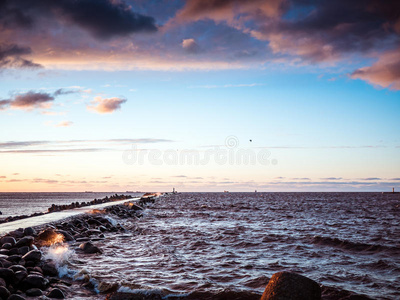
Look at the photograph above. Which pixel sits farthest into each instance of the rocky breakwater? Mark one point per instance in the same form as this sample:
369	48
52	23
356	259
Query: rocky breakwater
26	271
23	271
55	208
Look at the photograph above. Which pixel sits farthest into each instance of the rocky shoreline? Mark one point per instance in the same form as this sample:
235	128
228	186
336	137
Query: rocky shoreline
26	273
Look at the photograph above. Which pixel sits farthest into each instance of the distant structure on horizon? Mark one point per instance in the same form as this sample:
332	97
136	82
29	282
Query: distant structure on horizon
392	192
174	191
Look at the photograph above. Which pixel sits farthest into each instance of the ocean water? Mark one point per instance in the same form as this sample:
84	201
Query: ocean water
210	242
15	204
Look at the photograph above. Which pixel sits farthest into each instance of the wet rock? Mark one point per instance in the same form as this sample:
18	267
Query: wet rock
33	255
8	239
56	293
4	292
4	252
20	275
105	287
19	233
23	250
34	281
2	282
7	274
35	292
291	286
25	241
17	268
45	237
7	246
13	251
29	231
67	236
49	269
16	258
89	248
16	297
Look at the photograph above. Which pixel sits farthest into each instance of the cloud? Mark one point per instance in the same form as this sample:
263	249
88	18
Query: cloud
11	56
385	72
226	86
227	10
371	178
107	105
331	178
65	124
103	19
190	46
28	101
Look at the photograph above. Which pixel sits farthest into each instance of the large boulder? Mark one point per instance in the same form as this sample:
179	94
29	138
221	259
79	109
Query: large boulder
4	292
56	293
291	286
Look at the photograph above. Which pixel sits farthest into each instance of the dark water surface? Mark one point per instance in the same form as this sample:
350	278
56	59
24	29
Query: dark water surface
215	241
208	242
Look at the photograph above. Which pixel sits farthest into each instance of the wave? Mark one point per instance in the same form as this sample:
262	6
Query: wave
353	246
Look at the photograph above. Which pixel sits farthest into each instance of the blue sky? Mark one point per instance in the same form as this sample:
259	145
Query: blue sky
325	120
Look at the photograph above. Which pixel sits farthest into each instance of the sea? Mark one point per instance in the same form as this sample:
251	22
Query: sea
213	242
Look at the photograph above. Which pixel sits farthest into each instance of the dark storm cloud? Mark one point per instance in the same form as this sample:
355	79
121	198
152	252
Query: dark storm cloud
329	29
102	18
11	56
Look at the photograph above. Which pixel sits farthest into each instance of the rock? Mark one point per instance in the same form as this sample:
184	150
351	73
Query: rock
4	251
105	287
20	275
56	293
16	297
291	286
89	248
49	269
17	268
2	282
7	274
8	239
4	293
33	255
15	258
35	292
34	281
29	231
13	251
23	250
19	233
67	236
7	246
48	237
25	241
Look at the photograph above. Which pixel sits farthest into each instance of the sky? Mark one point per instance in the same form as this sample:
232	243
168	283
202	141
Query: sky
200	95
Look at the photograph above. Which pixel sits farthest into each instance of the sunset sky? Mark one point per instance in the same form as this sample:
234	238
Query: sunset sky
307	90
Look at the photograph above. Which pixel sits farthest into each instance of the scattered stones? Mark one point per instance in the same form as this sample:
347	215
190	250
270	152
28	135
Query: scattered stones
291	286
25	241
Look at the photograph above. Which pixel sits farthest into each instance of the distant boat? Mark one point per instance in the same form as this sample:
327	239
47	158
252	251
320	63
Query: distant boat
88	191
129	192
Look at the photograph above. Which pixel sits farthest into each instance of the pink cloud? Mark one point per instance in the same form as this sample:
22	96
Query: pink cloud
385	72
107	105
